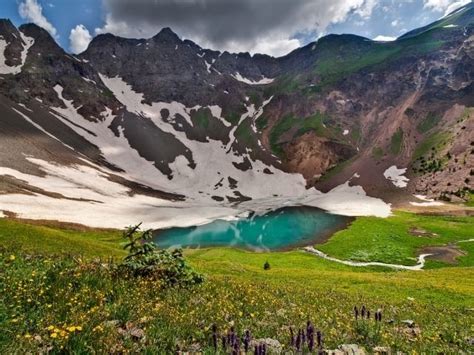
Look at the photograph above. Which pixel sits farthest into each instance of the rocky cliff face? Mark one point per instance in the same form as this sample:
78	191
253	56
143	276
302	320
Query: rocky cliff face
166	117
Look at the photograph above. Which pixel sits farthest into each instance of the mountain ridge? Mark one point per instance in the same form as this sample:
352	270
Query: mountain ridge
168	119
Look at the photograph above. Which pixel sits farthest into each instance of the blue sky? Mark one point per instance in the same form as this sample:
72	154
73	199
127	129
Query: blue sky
250	25
63	15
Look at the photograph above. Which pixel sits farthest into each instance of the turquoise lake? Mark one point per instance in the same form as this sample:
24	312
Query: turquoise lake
282	229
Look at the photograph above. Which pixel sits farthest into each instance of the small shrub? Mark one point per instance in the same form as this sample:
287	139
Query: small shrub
144	259
266	266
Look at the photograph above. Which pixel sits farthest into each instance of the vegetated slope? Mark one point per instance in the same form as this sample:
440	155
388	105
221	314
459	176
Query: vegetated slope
379	97
167	118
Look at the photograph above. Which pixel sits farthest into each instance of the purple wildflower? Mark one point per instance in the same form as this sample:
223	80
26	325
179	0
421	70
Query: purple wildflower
298	341
247	339
214	336
236	347
319	339
224	343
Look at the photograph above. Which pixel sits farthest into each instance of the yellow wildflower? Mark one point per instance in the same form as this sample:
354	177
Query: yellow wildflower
12	257
54	335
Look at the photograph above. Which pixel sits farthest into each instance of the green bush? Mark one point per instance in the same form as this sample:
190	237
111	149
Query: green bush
144	259
266	266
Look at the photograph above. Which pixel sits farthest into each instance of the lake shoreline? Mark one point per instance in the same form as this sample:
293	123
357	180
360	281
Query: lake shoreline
319	237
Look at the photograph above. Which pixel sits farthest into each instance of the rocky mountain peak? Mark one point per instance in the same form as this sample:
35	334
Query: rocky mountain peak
166	35
44	42
6	27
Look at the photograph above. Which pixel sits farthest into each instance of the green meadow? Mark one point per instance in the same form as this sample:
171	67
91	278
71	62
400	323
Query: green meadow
59	292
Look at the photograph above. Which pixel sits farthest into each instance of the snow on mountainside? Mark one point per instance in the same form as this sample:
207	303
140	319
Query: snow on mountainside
164	131
27	42
262	81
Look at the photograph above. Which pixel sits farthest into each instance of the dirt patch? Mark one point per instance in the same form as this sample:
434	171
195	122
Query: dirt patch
453	213
420	232
447	254
311	155
448	209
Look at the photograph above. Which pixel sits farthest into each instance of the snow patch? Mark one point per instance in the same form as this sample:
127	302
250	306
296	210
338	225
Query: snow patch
216	112
110	205
24	106
262	81
396	176
27	42
346	132
115	149
427	202
348	200
89	80
382	38
125	94
208	66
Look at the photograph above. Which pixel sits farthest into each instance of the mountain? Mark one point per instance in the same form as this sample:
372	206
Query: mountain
150	125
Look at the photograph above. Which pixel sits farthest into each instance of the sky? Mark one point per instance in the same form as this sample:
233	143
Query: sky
273	27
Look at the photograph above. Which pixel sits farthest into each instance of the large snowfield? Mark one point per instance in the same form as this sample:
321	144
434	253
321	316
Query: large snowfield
86	195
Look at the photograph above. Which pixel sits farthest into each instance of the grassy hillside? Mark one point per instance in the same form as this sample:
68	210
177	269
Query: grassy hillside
398	238
49	239
78	304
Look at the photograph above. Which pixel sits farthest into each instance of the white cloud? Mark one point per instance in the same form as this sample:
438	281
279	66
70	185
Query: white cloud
244	25
395	23
381	38
272	46
32	11
366	8
455	5
445	6
79	39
